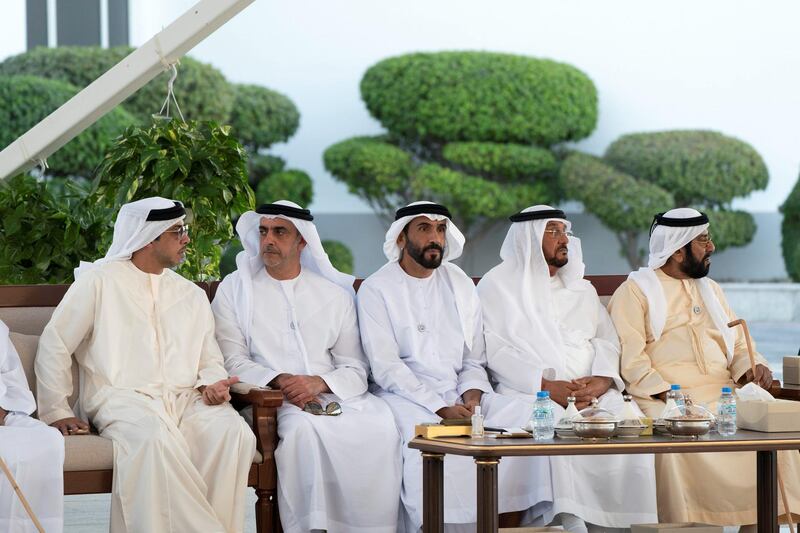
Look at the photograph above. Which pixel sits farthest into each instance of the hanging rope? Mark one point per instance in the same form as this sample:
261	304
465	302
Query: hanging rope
165	111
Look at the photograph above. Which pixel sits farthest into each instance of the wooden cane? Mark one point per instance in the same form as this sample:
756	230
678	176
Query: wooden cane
741	322
21	496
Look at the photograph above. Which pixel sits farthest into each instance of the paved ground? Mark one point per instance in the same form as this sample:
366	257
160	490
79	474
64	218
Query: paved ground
89	514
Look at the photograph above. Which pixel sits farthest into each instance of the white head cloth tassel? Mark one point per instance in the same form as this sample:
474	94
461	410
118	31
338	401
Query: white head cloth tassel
249	263
677	228
517	295
454	246
138	224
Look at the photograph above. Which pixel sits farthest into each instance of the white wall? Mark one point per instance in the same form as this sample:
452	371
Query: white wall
732	66
12	28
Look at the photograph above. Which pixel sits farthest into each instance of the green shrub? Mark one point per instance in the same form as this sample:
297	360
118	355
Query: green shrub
28	99
340	255
373	169
259	166
730	228
480	96
202	91
790	232
43	236
621	202
694	165
261	117
197	163
501	162
293	185
472	199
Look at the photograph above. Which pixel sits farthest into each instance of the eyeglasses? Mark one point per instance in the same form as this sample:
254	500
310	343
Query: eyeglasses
332	409
703	240
557	233
182	231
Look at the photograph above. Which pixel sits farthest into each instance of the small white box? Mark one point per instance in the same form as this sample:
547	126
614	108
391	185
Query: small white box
770	417
791	369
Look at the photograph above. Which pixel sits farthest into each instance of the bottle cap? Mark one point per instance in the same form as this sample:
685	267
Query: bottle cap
675	387
543	394
477	409
726	390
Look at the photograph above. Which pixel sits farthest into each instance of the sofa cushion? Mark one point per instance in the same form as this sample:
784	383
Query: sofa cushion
93	452
26	346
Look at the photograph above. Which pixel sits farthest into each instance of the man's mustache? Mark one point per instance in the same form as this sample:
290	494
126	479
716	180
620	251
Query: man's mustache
433	246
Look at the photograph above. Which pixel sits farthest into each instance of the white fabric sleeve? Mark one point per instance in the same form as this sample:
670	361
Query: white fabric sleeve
71	323
15	395
349	378
232	342
388	369
606	348
512	368
212	364
473	366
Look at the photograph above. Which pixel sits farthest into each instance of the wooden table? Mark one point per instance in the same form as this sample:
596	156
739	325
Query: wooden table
488	451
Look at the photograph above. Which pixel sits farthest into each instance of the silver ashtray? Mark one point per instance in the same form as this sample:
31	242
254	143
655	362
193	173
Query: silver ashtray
630	430
595	429
688	427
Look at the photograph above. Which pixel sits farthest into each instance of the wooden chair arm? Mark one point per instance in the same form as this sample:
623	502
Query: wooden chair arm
247	394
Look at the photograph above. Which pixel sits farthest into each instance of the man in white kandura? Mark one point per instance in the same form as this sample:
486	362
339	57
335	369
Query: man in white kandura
152	380
33	452
672	321
546	329
286	318
421	328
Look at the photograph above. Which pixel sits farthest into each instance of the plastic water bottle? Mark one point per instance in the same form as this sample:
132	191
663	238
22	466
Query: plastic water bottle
542	418
676	395
726	413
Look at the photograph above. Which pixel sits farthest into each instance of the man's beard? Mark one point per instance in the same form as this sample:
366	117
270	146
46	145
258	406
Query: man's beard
418	254
694	268
555	261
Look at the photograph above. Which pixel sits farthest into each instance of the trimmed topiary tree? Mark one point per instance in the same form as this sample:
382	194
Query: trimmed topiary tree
645	173
473	130
790	232
29	99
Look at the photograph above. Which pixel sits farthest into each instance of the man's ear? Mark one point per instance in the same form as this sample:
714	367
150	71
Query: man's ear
678	256
401	240
302	243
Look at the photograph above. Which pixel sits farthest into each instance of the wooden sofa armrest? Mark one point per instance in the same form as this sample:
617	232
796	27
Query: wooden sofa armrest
248	394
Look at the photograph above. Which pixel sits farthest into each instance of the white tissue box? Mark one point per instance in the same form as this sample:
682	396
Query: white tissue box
770	417
791	369
694	527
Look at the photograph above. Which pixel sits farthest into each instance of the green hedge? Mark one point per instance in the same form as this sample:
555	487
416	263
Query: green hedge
471	198
730	228
694	165
480	96
29	99
292	185
340	255
261	117
620	201
790	232
202	91
502	162
371	168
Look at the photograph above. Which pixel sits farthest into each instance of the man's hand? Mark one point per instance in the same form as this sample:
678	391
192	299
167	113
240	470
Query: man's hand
3	414
299	390
592	387
454	411
763	377
71	426
472	398
560	390
219	392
